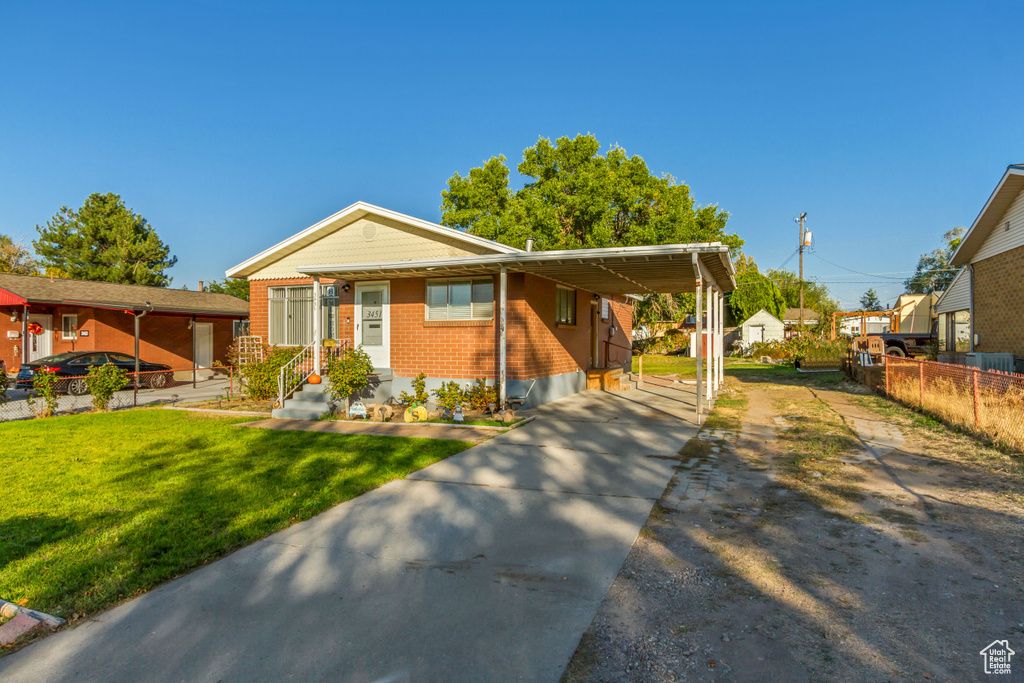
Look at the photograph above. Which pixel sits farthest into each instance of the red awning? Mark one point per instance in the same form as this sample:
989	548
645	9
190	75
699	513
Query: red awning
10	299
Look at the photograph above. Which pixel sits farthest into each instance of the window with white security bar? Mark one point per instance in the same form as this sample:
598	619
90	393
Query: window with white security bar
460	299
291	314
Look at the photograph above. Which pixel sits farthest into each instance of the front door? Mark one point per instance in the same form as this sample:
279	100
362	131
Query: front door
204	345
373	322
40	345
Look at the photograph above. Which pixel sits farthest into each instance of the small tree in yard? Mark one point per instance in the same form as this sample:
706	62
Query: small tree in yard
419	393
349	372
102	381
450	395
45	386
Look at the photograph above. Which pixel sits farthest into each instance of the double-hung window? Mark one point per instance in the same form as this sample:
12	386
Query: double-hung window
460	299
565	306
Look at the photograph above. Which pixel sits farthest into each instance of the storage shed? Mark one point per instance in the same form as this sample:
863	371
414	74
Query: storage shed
761	327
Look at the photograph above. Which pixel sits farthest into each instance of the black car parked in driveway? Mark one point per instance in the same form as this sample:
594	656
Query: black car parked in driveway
74	365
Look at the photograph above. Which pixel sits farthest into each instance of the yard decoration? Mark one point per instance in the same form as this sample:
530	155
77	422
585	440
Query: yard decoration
314	379
458	417
416	414
357	409
385	412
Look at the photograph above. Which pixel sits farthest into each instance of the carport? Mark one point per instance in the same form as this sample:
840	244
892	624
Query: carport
703	268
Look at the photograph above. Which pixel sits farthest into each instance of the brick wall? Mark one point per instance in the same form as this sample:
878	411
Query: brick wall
163	338
998	292
536	345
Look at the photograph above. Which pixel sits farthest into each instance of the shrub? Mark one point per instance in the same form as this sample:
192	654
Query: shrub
4	383
349	372
482	396
45	386
419	388
450	395
260	379
102	381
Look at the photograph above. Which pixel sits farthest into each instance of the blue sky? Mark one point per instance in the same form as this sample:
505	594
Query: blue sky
231	125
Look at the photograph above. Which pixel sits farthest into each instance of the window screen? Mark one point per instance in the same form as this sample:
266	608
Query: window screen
565	309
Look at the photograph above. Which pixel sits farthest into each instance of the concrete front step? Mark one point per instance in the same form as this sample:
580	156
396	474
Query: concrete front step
297	413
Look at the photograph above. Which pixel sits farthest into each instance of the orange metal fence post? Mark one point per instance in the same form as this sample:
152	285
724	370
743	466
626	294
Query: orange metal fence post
920	382
974	387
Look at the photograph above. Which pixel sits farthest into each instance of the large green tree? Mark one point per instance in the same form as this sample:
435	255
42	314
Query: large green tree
934	273
870	302
15	258
754	292
577	198
105	241
817	296
235	286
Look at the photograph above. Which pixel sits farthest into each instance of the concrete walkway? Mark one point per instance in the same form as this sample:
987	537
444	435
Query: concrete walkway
487	566
424	430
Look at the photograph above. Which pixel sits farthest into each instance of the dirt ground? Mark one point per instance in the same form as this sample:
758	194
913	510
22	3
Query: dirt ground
814	533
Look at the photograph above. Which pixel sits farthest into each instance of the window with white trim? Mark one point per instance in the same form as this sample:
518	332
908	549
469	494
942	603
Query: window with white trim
291	314
460	299
565	306
69	326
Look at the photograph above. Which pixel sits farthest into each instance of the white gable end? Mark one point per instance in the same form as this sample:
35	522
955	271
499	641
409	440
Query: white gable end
1003	238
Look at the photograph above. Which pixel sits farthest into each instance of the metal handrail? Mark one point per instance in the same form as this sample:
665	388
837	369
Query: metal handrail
296	372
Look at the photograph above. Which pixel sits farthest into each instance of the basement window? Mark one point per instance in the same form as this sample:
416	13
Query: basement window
460	299
565	306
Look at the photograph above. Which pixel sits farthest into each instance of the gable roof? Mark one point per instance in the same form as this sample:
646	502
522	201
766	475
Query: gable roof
17	290
995	208
350	215
759	313
794	314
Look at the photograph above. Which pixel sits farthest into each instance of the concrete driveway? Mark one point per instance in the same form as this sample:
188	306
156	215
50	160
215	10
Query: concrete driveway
487	566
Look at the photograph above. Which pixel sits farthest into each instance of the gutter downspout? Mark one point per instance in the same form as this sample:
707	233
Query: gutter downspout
135	383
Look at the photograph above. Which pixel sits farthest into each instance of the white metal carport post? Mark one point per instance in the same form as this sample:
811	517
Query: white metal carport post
709	389
699	337
316	324
502	301
721	340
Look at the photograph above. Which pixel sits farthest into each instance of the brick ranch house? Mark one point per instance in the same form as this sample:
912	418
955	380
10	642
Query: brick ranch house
420	297
981	311
180	328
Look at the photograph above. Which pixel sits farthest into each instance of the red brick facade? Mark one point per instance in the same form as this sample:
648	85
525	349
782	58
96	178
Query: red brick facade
535	345
163	338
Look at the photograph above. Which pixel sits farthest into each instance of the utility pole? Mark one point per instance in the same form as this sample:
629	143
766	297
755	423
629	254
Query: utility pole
802	218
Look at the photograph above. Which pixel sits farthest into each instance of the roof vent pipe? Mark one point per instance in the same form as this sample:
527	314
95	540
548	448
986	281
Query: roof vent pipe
529	244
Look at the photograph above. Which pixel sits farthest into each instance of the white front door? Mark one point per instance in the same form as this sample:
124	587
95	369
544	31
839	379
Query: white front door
204	345
373	321
40	345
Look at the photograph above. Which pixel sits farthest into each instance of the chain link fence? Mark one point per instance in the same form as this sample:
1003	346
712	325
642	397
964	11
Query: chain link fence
162	387
986	402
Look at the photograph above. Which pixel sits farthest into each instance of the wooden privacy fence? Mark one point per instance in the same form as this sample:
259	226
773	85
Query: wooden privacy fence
987	402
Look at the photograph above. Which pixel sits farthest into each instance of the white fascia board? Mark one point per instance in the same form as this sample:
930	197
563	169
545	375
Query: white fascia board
241	268
958	259
524	257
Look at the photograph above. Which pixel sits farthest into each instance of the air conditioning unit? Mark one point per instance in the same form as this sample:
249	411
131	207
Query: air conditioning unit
1003	362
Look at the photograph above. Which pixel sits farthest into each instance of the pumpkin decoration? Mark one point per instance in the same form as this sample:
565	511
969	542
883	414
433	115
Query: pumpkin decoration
35	328
315	379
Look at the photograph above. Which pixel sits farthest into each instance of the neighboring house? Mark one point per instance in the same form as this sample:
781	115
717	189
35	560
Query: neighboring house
873	324
761	327
791	318
954	312
420	297
989	290
180	328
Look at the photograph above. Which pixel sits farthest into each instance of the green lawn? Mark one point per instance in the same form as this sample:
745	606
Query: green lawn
96	508
682	366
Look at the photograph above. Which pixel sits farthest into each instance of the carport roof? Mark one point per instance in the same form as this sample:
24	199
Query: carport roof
666	268
17	290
